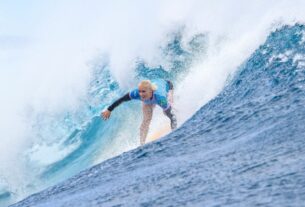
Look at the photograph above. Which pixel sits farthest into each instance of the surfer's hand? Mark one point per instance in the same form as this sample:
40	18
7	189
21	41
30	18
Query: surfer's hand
106	114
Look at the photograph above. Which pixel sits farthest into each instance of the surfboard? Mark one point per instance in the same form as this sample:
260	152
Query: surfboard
158	133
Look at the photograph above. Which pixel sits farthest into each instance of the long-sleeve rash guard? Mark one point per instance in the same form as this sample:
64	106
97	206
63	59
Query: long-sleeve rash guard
159	96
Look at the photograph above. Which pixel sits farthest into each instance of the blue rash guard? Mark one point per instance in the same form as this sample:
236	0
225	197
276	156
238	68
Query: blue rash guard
159	96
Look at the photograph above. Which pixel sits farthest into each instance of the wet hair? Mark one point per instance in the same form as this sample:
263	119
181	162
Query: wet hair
148	84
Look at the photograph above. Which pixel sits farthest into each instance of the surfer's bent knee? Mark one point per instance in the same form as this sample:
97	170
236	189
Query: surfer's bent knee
170	85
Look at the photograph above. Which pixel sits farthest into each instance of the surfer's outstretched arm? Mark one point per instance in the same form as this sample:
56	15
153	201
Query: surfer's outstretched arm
106	114
147	116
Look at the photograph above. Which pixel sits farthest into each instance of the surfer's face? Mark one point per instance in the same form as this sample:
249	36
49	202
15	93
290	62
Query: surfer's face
145	92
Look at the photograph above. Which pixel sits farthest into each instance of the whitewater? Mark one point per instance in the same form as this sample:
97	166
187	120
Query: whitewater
239	74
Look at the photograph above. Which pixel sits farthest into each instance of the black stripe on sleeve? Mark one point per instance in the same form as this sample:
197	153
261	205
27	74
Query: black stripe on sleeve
126	97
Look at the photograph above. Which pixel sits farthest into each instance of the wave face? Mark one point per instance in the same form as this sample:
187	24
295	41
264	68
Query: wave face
72	141
246	147
98	140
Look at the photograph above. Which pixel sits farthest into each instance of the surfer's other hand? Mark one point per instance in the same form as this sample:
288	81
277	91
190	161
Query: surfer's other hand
106	114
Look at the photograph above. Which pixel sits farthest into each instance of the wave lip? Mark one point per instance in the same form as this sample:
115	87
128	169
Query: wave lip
244	148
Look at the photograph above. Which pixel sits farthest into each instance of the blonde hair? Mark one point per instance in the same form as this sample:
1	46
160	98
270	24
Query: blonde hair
148	84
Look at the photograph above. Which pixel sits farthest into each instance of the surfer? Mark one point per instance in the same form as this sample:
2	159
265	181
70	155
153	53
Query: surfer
151	93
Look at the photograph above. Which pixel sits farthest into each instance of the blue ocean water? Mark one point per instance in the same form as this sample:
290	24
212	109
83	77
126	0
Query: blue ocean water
245	147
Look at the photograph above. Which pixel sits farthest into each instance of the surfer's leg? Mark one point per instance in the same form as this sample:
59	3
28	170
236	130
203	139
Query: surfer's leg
169	113
170	98
147	116
170	93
